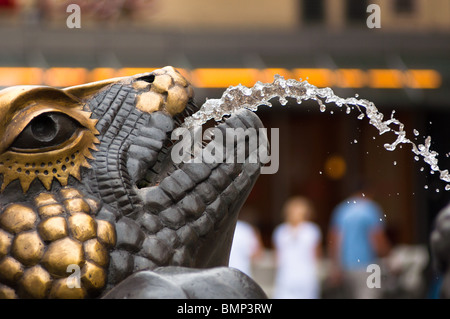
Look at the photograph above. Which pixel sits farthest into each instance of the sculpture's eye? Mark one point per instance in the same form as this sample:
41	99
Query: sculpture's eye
45	131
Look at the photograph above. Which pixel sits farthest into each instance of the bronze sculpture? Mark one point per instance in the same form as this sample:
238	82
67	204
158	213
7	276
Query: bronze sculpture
87	181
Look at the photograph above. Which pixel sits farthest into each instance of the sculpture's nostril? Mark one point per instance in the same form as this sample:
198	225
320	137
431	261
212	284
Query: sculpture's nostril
147	78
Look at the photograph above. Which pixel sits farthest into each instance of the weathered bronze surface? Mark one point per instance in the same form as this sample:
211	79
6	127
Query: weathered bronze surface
88	183
36	281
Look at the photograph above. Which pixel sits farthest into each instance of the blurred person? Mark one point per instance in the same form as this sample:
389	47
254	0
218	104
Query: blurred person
356	239
297	244
246	246
37	12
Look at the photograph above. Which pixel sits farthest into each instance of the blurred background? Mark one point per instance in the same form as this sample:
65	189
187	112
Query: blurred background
402	66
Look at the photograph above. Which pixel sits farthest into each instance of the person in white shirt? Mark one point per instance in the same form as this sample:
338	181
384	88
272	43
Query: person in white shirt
246	246
297	244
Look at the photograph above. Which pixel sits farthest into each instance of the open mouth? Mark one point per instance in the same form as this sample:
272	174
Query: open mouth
186	203
180	193
158	165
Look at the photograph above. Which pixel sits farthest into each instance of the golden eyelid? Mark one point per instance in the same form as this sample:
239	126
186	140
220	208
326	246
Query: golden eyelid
23	118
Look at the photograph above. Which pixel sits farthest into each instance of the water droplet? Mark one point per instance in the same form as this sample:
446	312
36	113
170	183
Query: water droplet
363	195
358	260
437	190
320	172
421	169
416	132
354	202
389	147
395	163
381	220
426	187
355	141
416	158
360	116
356	95
447	187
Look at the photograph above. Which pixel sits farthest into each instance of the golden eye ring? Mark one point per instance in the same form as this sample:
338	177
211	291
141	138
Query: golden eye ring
50	161
57	164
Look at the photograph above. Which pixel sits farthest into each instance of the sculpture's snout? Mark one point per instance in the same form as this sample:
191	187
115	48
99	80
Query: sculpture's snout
164	89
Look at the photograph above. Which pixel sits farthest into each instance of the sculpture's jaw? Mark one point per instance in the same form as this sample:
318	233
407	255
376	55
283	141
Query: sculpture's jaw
193	205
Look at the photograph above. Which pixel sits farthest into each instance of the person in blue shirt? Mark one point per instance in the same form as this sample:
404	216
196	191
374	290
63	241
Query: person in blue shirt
356	240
